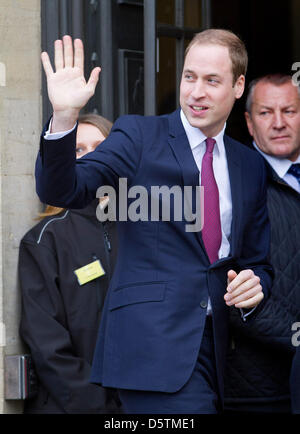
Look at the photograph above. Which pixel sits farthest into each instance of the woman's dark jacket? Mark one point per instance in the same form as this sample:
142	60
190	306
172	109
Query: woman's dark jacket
60	317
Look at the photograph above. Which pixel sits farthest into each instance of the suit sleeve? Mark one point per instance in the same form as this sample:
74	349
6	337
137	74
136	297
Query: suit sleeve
256	238
45	330
63	181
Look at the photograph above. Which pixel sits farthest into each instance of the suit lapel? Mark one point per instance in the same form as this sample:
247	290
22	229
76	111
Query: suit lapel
179	143
235	176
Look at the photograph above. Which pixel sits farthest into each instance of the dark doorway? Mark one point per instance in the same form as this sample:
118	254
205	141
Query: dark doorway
267	29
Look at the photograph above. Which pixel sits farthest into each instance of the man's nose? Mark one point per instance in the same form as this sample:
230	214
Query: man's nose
198	90
278	121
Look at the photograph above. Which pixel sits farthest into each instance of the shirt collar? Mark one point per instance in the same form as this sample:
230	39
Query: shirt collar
196	136
280	165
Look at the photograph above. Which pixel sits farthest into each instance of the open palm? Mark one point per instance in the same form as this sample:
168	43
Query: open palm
67	88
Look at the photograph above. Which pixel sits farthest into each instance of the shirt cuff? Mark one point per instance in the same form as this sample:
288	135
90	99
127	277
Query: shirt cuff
244	315
56	136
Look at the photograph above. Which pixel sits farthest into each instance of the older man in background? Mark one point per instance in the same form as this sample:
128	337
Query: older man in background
259	361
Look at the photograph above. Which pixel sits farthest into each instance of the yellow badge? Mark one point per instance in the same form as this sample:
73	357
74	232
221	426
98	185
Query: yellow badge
89	272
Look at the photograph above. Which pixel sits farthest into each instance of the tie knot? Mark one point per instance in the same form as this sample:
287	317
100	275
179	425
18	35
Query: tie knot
210	143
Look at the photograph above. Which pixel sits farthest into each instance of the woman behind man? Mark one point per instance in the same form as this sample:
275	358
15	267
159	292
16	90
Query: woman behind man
61	306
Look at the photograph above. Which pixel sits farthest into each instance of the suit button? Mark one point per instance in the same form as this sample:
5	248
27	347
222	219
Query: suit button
203	304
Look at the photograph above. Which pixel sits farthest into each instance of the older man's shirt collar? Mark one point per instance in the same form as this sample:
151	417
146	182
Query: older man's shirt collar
280	165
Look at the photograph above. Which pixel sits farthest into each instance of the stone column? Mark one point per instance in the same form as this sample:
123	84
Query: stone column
20	124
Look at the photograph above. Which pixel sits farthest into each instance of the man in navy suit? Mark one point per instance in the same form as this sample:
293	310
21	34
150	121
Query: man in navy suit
163	337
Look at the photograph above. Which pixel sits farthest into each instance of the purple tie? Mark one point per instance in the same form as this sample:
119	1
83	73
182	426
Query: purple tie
211	232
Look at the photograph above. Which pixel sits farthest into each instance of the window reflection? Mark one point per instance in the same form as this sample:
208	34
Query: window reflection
166	77
177	21
193	13
165	11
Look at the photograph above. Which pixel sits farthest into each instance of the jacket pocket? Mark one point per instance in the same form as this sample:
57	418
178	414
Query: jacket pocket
137	293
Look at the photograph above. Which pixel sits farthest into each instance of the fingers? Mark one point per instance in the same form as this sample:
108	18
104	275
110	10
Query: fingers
243	276
251	302
78	54
244	290
93	80
68	91
243	296
230	276
68	51
245	286
46	63
58	55
65	56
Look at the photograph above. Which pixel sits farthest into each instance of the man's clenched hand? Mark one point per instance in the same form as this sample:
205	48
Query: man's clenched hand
243	290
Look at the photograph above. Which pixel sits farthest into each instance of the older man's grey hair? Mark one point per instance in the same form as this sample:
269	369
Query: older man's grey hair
275	79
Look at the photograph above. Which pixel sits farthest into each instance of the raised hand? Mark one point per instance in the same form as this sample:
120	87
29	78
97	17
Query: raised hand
68	90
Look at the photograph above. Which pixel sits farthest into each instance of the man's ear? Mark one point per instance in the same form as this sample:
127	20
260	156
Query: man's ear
239	86
249	123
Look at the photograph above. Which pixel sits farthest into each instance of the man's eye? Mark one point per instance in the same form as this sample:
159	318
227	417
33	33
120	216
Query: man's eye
78	150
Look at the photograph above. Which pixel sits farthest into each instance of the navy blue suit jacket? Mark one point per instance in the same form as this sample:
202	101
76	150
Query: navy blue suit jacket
155	310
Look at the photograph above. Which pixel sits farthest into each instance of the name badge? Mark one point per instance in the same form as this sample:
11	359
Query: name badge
89	272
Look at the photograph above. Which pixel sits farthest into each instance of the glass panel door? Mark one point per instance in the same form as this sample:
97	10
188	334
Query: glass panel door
174	22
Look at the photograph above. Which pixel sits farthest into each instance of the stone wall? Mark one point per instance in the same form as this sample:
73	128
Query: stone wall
20	123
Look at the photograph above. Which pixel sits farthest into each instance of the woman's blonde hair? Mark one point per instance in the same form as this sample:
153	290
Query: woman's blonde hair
104	125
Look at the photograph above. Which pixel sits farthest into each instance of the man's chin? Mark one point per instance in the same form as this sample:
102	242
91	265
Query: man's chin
283	151
198	123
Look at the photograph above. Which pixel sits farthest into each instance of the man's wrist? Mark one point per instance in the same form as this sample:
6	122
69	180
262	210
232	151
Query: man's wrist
58	135
63	121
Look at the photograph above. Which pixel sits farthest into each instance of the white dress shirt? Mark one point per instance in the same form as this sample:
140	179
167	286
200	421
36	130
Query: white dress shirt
281	167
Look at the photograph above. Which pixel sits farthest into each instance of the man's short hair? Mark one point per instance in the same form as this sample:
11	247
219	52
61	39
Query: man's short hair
226	38
277	79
